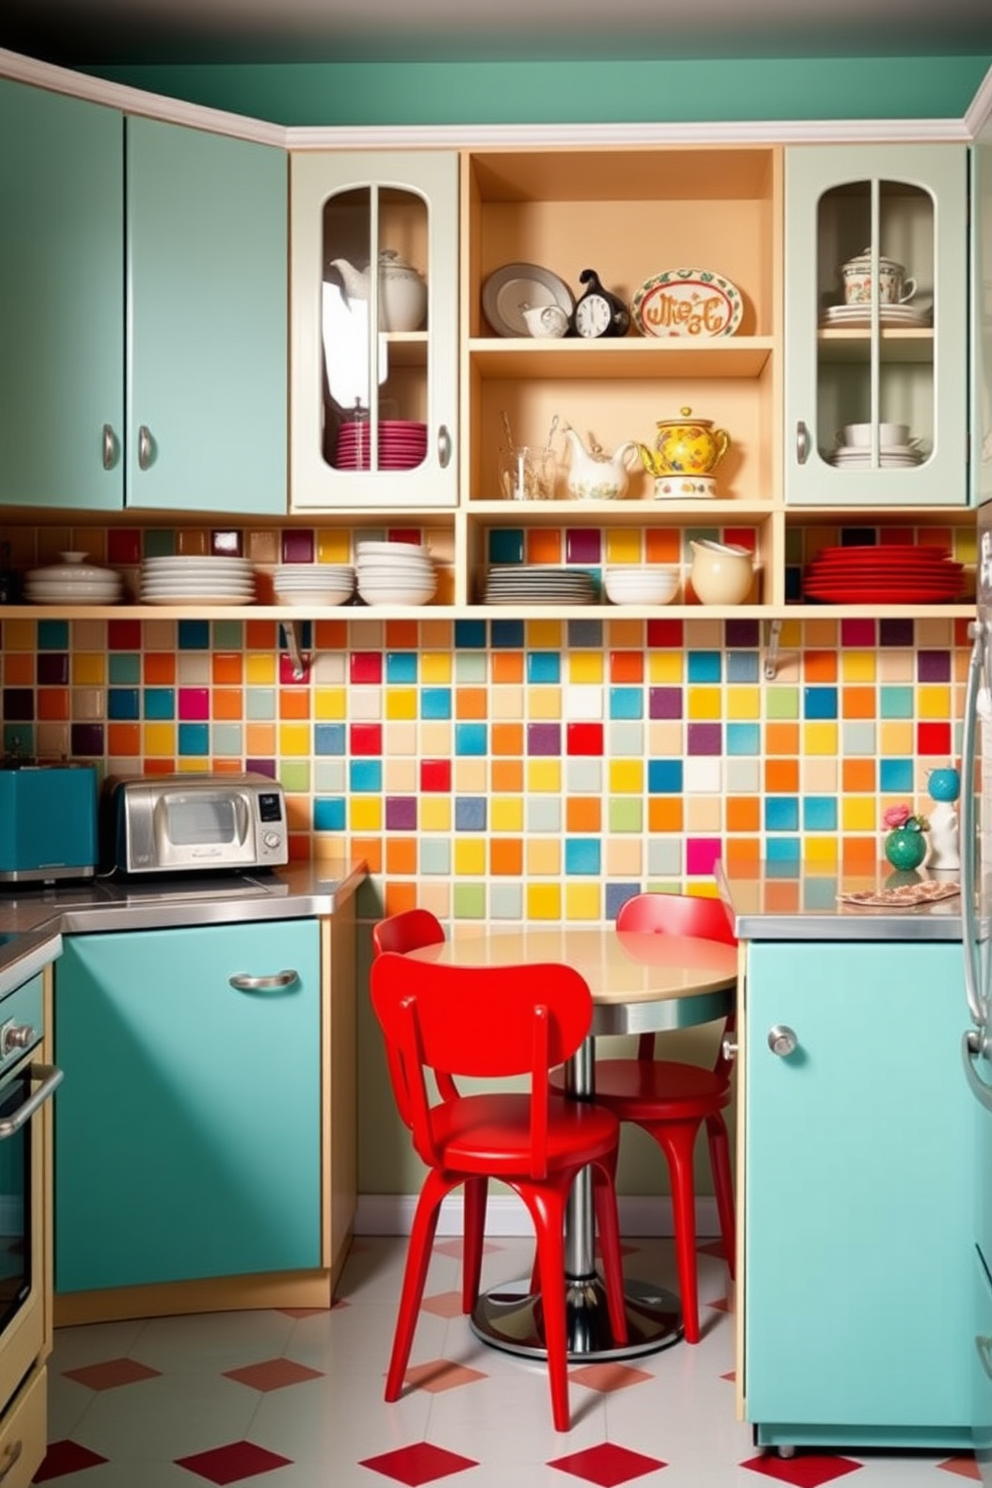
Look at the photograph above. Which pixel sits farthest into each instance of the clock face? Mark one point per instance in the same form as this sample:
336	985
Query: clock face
592	315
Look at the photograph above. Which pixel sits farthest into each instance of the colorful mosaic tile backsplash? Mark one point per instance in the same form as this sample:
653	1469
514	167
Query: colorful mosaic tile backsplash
514	769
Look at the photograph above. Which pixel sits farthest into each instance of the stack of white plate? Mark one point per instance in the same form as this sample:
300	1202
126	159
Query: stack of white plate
641	583
313	583
196	580
395	573
73	581
512	584
859	457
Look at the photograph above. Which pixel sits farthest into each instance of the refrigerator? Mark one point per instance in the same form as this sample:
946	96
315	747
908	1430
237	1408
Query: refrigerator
976	805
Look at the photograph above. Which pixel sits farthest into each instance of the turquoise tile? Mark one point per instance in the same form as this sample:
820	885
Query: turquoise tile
781	814
896	775
820	813
743	738
703	666
582	855
506	545
471	738
626	702
543	666
193	635
193	739
401	666
53	635
820	702
160	703
895	702
435	702
365	776
329	814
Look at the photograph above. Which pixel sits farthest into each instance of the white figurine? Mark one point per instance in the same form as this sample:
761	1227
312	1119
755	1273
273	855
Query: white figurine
944	787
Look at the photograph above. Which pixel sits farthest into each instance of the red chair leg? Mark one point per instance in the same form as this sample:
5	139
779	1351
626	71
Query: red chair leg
418	1259
677	1139
473	1240
547	1208
608	1224
723	1184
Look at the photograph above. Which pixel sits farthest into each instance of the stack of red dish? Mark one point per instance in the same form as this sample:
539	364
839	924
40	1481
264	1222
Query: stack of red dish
402	444
899	573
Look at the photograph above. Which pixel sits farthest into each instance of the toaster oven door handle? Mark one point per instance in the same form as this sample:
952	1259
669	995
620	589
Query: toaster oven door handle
282	980
50	1076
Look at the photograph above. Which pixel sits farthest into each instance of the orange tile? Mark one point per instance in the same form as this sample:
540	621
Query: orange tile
782	776
543	545
294	702
124	739
402	635
159	668
226	668
781	738
18	669
857	702
662	545
369	849
506	856
400	897
506	776
227	703
471	702
742	849
626	666
583	814
743	814
858	851
507	738
820	666
401	855
858	775
330	635
163	765
665	814
53	704
781	896
261	635
260	738
508	666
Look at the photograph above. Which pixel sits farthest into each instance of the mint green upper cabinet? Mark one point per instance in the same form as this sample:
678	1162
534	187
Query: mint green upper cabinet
374	330
189	1145
61	300
867	360
143	280
981	303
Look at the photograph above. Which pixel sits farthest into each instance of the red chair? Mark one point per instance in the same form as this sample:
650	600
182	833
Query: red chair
492	1023
671	1099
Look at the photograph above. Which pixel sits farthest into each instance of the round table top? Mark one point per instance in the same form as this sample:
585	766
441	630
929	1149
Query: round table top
643	980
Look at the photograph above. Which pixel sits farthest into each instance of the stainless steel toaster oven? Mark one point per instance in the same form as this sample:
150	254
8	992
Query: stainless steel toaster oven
179	823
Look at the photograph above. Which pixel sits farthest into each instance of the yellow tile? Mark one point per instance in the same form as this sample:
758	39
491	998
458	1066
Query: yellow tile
365	813
584	666
623	545
435	667
792	634
543	902
859	814
434	813
820	738
703	813
472	776
544	702
18	635
857	666
665	666
159	740
582	901
401	702
895	737
626	777
333	545
545	635
624	857
192	764
470	856
294	739
506	814
743	702
260	669
330	703
704	702
89	668
820	849
543	856
544	776
933	701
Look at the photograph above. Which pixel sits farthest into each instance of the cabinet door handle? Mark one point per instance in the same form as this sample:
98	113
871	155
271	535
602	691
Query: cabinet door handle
802	442
111	447
729	1046
146	447
444	446
243	982
12	1455
782	1040
50	1076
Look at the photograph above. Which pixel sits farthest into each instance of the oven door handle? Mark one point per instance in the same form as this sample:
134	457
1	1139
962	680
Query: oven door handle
50	1076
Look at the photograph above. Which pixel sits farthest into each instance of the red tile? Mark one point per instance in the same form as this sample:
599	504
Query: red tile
607	1465
962	1467
111	1373
233	1463
273	1374
802	1472
438	1375
65	1457
419	1463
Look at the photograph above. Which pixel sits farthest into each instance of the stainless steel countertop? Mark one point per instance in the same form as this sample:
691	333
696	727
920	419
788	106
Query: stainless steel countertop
33	918
798	901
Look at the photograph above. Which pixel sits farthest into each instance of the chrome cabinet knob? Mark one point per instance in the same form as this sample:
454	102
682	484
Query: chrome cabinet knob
782	1040
729	1047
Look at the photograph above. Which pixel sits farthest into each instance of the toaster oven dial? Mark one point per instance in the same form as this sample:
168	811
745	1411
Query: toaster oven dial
15	1036
272	839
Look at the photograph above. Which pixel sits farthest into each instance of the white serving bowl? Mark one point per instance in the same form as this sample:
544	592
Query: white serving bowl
889	435
638	584
314	598
396	594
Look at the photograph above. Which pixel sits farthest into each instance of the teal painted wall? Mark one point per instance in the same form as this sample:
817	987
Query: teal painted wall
610	92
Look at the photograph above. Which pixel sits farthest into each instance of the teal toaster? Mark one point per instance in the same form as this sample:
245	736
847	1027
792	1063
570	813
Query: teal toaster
48	821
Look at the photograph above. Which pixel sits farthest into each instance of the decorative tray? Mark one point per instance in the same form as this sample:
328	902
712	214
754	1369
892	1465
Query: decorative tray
696	303
906	896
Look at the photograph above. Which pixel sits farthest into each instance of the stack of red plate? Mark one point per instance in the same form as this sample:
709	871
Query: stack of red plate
402	444
899	573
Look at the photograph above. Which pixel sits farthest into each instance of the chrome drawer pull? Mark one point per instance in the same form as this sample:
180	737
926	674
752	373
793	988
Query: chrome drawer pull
50	1076
242	982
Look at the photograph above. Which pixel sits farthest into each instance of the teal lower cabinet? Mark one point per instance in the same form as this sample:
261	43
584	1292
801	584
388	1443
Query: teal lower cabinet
857	1317
188	1125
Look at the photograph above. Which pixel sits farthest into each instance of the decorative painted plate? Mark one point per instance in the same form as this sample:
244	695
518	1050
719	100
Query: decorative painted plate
510	290
688	302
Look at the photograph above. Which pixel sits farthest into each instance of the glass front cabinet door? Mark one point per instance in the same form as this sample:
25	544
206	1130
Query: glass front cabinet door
375	330
876	386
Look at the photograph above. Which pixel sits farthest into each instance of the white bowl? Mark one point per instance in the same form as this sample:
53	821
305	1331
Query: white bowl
640	584
396	595
314	597
889	435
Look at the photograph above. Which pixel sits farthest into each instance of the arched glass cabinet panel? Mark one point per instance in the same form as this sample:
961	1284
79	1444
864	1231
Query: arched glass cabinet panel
876	332
374	330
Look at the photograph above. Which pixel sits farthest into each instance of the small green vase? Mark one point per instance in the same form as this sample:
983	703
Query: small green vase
905	848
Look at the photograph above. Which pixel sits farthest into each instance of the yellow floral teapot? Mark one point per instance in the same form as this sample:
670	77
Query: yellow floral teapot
685	446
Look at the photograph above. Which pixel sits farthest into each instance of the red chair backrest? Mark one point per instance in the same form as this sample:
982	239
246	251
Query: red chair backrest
407	931
677	914
482	1022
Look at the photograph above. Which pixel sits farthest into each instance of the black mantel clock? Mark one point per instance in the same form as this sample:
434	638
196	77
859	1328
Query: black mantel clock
598	313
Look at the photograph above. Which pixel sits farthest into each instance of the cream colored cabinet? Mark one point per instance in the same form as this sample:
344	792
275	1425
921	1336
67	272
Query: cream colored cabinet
374	407
981	313
876	325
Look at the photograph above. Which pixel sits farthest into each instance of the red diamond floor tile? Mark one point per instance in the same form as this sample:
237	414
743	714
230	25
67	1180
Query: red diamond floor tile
607	1465
273	1374
65	1457
803	1472
442	1374
111	1374
609	1377
443	1304
962	1467
232	1463
419	1463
